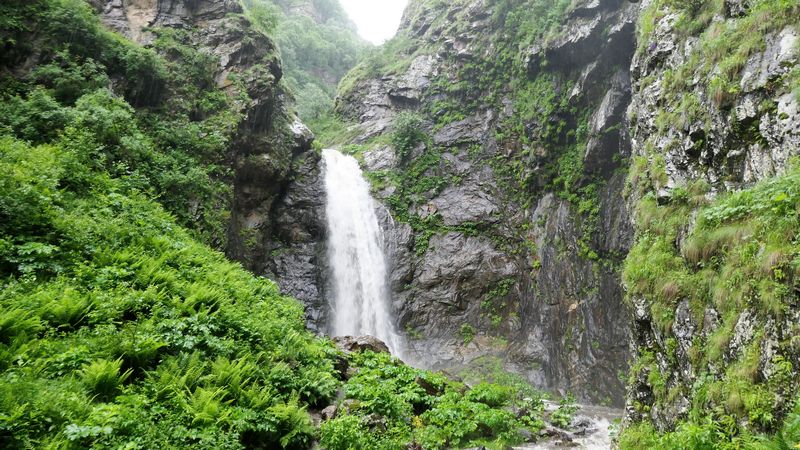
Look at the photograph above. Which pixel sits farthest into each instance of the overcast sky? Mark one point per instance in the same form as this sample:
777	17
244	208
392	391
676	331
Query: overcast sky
377	20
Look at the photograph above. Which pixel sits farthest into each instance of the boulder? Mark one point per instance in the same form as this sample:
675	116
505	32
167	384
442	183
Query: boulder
353	344
329	413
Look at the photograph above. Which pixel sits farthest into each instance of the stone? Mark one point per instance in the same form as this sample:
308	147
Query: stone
376	422
469	129
776	60
342	367
380	158
465	203
355	344
736	8
743	333
605	136
329	413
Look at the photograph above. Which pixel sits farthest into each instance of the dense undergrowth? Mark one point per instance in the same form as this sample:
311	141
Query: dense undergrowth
392	404
165	127
119	327
742	254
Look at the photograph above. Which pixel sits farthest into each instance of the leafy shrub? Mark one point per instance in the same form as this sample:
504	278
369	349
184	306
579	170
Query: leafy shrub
36	118
562	417
491	394
467	332
407	134
346	432
388	396
292	425
103	379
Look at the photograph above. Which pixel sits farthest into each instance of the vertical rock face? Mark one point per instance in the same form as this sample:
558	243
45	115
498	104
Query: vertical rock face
273	171
704	125
498	261
730	139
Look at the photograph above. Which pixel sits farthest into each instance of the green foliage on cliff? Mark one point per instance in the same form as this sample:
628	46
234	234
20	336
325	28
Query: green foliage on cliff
165	125
318	43
732	260
741	254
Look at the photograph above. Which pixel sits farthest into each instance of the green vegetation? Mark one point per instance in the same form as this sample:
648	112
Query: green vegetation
741	254
173	144
562	417
467	332
119	329
407	134
318	44
389	404
712	434
725	46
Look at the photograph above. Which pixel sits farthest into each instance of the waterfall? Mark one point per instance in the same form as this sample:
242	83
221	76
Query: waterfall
361	303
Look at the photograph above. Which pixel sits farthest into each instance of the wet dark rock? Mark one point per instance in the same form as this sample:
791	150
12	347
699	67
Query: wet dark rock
270	147
468	202
563	437
295	249
376	422
470	129
342	367
426	386
547	292
736	8
606	137
353	344
329	413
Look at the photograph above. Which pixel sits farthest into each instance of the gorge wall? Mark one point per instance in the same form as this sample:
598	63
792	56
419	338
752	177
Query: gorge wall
570	189
269	147
713	276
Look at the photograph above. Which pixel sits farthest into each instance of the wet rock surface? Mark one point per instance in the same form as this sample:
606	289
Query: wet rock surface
354	344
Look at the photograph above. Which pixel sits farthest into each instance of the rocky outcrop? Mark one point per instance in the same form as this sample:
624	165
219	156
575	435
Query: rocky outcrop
729	142
274	174
353	344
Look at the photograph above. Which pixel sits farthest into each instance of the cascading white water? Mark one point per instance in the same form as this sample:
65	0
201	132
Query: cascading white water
361	303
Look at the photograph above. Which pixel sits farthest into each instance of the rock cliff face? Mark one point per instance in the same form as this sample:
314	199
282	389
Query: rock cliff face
270	148
713	112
